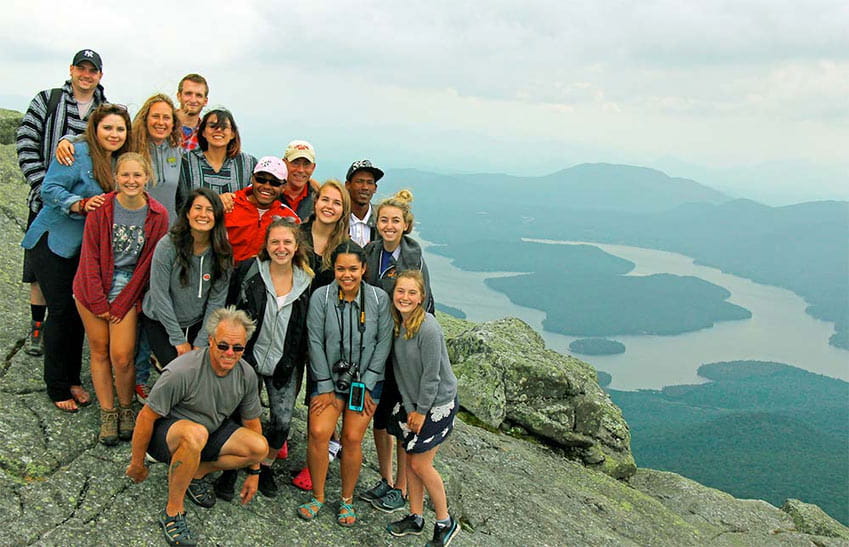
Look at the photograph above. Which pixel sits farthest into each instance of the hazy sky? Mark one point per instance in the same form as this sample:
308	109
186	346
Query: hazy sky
751	97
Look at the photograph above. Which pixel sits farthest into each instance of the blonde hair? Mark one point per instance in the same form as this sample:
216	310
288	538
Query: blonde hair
401	200
141	137
134	156
340	231
417	317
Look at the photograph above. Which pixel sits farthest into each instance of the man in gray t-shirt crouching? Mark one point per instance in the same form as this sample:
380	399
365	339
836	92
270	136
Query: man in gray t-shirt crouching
186	422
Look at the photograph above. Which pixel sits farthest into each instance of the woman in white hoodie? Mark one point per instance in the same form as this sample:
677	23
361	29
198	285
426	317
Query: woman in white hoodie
273	289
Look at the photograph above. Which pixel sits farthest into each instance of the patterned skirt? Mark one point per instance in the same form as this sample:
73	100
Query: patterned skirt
439	422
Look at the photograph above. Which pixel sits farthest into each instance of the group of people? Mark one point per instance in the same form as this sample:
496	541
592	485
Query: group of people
166	245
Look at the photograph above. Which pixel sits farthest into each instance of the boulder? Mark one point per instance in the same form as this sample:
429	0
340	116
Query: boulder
506	377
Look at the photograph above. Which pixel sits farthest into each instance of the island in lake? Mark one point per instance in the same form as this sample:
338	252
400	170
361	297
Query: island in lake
596	346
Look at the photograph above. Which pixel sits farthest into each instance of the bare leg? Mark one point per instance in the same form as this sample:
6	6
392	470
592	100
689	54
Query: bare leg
401	476
97	330
354	427
383	447
36	298
185	440
122	343
321	427
243	448
423	472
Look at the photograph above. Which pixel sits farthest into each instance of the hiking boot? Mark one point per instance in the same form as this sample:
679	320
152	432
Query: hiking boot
407	526
108	427
377	491
35	341
267	486
126	422
390	502
225	486
142	393
442	535
176	529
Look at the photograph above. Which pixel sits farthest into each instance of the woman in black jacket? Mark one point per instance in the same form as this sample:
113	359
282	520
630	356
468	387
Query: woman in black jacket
273	289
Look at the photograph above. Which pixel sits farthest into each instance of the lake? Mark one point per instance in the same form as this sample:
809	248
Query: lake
779	329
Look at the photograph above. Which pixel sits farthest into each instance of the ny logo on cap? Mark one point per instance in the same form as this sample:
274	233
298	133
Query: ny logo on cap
88	53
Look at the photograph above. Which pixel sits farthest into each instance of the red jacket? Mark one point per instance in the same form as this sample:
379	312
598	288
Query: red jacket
94	275
246	229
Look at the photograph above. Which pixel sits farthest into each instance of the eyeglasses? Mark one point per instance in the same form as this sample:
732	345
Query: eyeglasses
224	346
270	181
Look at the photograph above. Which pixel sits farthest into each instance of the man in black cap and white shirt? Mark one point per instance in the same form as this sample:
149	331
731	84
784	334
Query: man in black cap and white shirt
52	114
361	183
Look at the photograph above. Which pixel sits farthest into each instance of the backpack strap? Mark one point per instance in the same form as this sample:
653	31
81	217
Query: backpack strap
53	101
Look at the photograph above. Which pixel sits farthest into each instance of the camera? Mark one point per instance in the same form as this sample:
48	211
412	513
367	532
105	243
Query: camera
346	372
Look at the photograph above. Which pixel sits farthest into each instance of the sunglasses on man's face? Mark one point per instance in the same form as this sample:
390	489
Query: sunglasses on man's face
224	346
271	181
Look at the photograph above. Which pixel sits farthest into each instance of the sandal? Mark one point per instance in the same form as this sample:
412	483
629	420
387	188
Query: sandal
303	479
201	493
68	405
309	510
346	511
176	529
80	395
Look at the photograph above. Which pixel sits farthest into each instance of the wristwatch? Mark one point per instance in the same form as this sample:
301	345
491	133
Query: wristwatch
250	471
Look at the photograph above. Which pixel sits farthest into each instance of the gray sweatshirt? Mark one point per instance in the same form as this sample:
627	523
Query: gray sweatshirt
324	334
271	338
178	307
422	368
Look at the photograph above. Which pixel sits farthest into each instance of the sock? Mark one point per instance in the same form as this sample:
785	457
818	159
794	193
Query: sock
267	462
445	522
37	312
418	518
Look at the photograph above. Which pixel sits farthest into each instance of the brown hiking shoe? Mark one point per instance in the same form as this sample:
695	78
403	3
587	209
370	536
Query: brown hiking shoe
108	427
126	422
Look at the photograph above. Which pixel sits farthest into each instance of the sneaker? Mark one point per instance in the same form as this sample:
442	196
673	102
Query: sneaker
126	422
142	393
225	486
407	526
176	529
390	502
377	491
35	341
442	535
267	486
201	492
108	427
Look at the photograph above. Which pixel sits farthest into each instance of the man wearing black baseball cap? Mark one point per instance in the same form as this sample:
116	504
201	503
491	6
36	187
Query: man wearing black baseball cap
52	114
361	183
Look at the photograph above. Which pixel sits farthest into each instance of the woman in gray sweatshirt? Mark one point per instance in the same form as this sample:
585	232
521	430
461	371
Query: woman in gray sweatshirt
189	277
429	404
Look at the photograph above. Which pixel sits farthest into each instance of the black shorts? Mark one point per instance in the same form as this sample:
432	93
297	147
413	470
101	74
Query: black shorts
383	414
28	273
158	447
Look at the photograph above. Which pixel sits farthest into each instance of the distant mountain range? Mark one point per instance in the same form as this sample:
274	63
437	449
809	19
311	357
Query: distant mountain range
804	247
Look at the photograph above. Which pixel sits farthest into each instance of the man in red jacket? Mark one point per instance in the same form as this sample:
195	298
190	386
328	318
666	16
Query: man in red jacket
255	207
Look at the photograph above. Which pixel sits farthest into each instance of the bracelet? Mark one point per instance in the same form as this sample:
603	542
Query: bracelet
82	203
250	471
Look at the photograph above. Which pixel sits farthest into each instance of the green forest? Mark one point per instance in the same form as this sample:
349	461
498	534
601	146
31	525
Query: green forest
756	430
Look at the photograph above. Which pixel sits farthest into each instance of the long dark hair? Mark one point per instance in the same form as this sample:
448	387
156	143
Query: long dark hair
221	115
181	237
101	164
301	259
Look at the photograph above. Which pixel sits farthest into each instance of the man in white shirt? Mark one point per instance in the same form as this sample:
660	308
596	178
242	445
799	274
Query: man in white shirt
361	183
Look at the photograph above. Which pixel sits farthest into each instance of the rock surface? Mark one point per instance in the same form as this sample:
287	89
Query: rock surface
59	487
507	378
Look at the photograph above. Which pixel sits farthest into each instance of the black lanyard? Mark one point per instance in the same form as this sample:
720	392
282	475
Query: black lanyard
361	326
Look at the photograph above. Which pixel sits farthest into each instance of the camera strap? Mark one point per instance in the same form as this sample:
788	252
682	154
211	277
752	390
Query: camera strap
361	327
